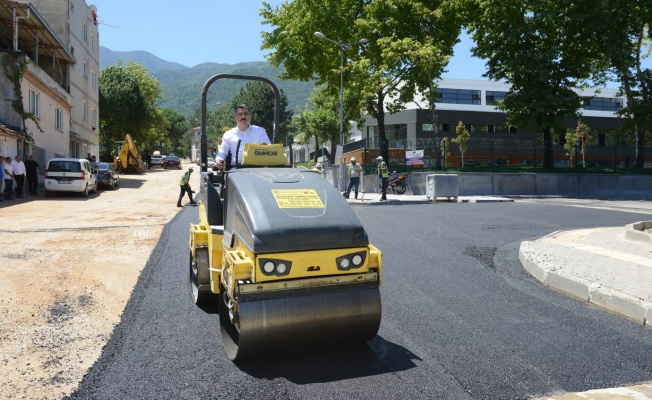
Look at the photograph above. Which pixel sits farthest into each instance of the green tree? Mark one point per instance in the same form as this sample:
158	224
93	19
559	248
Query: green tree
583	135
626	44
405	37
445	148
320	122
178	126
128	97
463	136
544	49
571	145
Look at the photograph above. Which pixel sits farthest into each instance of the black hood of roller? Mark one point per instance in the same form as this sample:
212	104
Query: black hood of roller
283	209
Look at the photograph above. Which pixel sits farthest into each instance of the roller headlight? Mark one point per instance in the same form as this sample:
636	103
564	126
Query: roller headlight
274	267
281	268
268	267
351	261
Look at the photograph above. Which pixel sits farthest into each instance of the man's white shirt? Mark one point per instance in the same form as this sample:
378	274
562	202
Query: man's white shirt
253	134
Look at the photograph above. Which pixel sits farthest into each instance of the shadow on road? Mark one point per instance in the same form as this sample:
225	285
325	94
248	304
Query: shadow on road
335	363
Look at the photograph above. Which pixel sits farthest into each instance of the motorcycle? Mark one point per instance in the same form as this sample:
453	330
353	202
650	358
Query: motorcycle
397	184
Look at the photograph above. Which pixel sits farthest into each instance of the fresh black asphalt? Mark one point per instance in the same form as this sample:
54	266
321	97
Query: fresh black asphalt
461	320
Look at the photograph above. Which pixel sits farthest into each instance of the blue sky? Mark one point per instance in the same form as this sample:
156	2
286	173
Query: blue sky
220	31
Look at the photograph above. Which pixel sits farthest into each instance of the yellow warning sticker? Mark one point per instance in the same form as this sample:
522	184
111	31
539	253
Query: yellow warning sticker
297	198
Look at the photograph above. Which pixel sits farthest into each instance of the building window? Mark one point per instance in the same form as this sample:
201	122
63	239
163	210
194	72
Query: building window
85	70
85	32
602	104
35	103
458	96
93	118
93	79
480	128
92	41
492	97
58	118
85	111
72	51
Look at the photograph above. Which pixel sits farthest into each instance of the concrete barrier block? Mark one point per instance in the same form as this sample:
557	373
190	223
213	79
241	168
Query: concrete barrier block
597	185
514	184
556	184
475	184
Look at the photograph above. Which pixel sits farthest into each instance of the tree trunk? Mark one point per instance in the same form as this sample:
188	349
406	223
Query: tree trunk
547	150
380	111
640	145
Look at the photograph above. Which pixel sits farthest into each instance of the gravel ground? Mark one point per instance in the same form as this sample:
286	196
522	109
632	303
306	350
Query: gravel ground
68	267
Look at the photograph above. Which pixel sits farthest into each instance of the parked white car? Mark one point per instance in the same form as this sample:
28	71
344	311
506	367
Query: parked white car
70	175
156	160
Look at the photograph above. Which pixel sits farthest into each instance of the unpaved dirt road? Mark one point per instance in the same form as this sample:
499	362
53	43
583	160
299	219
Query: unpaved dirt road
68	266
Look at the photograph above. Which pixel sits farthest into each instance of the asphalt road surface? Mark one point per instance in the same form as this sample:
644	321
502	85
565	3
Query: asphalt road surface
461	320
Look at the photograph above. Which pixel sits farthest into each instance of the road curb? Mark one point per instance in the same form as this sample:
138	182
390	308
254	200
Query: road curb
606	299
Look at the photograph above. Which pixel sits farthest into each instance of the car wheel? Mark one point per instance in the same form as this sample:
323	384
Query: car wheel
95	186
85	192
112	185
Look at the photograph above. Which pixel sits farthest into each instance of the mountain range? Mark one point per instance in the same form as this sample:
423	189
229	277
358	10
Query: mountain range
182	85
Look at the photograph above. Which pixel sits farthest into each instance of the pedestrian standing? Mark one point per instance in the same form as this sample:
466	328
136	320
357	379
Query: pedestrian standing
31	168
2	173
383	174
8	170
19	176
185	187
354	178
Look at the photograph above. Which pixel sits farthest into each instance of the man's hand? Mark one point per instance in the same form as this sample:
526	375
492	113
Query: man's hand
219	163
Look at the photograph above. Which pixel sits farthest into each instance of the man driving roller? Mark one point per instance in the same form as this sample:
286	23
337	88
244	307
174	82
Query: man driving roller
244	132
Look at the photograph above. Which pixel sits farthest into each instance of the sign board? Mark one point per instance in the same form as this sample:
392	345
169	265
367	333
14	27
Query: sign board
414	157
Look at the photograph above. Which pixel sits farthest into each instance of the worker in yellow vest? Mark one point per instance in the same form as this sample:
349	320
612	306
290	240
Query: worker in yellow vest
383	174
185	187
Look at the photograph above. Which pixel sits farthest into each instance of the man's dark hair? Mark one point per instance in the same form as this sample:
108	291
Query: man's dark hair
246	107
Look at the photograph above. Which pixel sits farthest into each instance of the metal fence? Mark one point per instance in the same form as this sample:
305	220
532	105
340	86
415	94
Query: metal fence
503	153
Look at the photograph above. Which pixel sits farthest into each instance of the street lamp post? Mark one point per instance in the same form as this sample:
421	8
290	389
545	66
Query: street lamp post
343	46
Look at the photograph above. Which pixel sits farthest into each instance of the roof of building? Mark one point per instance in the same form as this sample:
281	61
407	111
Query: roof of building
34	34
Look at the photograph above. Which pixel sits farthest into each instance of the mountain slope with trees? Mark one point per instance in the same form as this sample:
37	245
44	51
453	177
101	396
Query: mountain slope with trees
182	85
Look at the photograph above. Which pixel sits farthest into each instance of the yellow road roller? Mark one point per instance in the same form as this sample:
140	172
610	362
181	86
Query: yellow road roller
282	254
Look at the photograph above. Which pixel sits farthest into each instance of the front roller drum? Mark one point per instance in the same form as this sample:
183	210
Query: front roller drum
314	317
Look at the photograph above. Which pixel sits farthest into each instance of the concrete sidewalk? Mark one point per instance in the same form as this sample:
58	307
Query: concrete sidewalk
608	267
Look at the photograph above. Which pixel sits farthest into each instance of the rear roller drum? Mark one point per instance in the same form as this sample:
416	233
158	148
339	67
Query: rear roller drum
200	277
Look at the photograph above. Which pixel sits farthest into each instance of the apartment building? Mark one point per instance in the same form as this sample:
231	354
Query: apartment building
75	23
32	46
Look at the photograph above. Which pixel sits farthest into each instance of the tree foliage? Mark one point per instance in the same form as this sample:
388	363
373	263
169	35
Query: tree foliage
462	137
128	97
260	99
544	49
319	122
409	43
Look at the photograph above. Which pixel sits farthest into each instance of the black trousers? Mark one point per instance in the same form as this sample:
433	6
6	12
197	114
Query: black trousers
384	185
185	189
20	182
32	183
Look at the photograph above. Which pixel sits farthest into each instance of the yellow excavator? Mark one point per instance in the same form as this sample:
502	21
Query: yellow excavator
128	158
281	253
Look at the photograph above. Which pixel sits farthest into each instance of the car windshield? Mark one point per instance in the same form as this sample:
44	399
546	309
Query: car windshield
104	166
